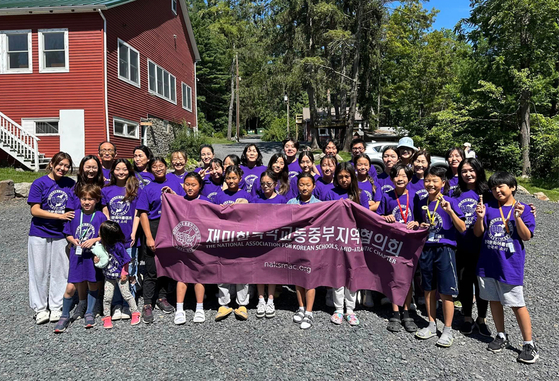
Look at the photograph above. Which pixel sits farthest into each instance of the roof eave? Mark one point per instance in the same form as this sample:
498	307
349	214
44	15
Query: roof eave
52	10
197	57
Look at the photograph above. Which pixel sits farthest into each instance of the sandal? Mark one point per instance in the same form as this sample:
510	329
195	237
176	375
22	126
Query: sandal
241	313
394	324
409	324
352	319
337	318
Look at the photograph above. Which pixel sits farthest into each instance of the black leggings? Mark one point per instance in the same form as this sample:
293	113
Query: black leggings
467	280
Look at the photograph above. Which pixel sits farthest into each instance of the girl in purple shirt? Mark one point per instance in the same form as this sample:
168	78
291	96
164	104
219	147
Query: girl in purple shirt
206	156
281	175
178	161
421	162
306	162
149	208
214	184
389	158
362	164
251	164
454	157
325	183
290	148
50	198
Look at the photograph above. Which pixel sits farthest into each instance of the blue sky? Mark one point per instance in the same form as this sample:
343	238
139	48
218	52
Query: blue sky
451	11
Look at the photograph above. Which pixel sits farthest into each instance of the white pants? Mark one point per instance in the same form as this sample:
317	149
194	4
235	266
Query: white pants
48	272
225	294
343	293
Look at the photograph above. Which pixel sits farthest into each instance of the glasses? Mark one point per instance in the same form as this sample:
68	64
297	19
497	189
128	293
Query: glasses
106	151
267	184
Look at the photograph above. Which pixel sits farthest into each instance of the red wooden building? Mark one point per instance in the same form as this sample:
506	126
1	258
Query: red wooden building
79	72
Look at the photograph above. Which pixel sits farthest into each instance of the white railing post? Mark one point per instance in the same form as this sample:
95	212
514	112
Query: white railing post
19	143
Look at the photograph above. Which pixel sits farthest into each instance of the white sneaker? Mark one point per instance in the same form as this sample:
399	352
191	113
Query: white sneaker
42	317
199	316
368	299
117	314
180	317
261	309
125	313
270	311
330	297
55	316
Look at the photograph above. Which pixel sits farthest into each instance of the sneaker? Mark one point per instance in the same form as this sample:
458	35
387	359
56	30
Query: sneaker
55	316
425	333
117	314
498	344
261	309
352	319
98	308
368	299
147	314
457	304
446	339
180	317
107	322
241	313
61	325
79	311
299	316
528	355
467	327
223	312
42	317
306	323
413	307
125	313
135	318
330	297
89	320
270	311
199	316
483	329
337	318
164	306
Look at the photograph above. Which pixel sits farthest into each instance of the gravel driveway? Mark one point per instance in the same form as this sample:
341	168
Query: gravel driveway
267	349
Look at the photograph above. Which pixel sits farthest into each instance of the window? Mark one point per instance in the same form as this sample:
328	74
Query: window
186	97
128	64
53	51
125	128
15	50
174	6
42	126
162	83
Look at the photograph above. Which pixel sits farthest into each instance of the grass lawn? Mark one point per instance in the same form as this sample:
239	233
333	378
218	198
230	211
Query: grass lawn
19	177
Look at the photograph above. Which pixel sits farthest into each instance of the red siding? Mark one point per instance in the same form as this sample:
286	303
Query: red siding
42	95
148	26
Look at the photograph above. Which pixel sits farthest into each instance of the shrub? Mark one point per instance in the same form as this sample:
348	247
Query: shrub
190	142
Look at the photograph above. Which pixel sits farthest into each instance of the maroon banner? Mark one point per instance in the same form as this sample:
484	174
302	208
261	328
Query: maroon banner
334	244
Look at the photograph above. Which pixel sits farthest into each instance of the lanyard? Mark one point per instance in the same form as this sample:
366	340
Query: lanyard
505	221
405	216
81	221
432	216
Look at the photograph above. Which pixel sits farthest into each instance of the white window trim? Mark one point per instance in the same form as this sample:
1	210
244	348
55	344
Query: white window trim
176	6
151	91
127	80
185	106
35	120
126	121
43	69
4	52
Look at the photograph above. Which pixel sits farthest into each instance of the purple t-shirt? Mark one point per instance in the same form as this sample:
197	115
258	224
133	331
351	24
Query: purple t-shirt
294	168
496	259
121	212
250	175
227	197
279	199
180	178
373	173
144	178
83	227
200	197
294	190
443	231
211	189
389	205
467	202
149	199
338	193
453	184
199	169
417	186
54	197
106	174
118	257
367	187
384	183
321	189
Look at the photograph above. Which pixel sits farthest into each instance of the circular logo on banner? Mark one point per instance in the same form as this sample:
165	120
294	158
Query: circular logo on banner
119	207
57	201
186	236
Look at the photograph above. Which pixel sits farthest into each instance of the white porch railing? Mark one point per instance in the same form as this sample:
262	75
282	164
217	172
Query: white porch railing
18	143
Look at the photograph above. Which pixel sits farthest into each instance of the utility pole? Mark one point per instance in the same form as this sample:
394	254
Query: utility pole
238	101
286	99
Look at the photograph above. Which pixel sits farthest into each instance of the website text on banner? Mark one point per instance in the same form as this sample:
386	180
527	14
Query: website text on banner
325	244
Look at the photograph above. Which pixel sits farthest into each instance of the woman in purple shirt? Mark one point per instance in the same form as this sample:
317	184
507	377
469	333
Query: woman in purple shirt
454	157
389	158
142	157
421	162
50	198
290	148
251	164
149	208
206	156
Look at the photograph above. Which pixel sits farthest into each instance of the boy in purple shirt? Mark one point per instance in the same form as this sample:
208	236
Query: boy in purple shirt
505	224
442	216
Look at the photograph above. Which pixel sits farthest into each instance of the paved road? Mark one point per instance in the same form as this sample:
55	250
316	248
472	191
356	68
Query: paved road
267	148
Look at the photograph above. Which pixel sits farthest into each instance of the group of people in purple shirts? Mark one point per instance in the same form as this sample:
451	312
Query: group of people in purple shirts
98	234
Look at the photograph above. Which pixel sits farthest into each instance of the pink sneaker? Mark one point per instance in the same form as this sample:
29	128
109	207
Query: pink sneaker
337	318
107	322
352	319
135	318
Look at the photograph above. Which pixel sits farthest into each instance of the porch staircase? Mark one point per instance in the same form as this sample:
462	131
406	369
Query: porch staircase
20	144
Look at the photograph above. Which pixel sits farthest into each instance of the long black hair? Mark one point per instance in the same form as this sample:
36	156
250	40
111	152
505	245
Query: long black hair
481	182
283	176
244	160
98	180
147	151
353	192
